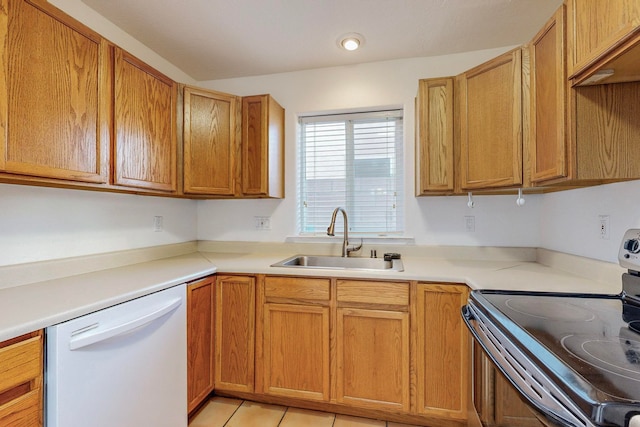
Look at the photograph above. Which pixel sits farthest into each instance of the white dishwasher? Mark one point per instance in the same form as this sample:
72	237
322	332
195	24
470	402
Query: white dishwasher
123	366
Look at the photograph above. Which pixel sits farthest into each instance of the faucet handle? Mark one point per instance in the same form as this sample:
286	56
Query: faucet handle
353	248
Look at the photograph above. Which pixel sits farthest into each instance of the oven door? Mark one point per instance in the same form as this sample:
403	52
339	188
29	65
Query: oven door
548	402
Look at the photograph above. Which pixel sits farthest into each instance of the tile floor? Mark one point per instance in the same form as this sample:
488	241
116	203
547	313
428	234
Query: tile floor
224	412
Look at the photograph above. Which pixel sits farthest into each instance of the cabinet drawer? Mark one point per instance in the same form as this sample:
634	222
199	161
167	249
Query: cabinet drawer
23	411
20	362
298	288
388	293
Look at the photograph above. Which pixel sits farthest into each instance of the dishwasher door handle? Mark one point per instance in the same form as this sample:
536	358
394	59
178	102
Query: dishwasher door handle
86	339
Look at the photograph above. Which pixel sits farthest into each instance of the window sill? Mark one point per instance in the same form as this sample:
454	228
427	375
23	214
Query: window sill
387	240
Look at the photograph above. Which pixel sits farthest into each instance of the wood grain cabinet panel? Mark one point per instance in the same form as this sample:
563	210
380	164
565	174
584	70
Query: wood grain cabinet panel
373	358
491	123
549	148
603	35
235	333
54	95
498	404
262	147
580	136
211	142
434	137
296	351
200	341
144	125
443	351
21	382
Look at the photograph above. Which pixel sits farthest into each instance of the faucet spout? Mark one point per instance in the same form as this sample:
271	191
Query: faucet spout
346	249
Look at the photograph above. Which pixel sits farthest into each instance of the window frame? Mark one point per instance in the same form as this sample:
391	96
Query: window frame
396	113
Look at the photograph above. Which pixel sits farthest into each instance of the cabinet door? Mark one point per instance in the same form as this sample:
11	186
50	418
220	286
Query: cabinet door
235	333
54	95
491	123
510	410
200	341
443	351
373	358
21	391
296	351
145	125
549	85
599	32
210	142
262	147
434	137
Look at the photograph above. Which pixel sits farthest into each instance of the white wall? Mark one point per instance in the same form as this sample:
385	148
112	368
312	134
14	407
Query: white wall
43	223
46	223
89	17
433	220
569	220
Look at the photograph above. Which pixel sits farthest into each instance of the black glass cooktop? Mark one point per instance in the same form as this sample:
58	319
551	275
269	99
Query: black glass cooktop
589	344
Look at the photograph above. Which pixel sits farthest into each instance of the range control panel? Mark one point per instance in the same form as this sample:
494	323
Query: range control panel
629	255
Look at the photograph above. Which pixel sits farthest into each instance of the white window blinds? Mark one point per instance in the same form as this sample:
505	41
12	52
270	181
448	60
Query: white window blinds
353	161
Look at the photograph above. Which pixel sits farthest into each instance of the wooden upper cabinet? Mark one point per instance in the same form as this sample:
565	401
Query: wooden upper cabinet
211	142
262	147
549	143
434	137
144	125
604	37
491	123
54	97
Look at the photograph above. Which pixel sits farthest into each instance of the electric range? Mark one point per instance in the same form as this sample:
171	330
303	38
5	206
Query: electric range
575	358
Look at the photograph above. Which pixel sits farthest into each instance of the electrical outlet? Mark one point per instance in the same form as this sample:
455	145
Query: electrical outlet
470	223
262	222
158	223
604	226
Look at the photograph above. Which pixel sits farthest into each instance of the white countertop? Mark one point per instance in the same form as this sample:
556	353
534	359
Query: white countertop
34	306
38	305
477	274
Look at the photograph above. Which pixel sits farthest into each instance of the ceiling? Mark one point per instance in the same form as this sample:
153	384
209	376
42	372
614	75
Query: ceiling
218	39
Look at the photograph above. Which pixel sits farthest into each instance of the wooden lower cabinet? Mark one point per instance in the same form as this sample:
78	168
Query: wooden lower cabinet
373	358
443	351
235	333
296	351
200	341
374	348
496	401
294	323
21	381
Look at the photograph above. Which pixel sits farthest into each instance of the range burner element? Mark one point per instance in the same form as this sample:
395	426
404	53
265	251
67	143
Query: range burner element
550	310
617	357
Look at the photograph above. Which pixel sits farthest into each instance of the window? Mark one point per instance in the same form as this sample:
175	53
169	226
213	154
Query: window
353	161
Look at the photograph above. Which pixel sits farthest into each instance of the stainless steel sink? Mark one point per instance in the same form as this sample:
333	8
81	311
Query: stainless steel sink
340	263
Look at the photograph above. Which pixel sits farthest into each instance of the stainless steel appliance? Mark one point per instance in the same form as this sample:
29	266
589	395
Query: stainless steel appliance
575	358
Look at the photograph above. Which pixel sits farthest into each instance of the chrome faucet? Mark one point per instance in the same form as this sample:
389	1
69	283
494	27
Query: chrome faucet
346	249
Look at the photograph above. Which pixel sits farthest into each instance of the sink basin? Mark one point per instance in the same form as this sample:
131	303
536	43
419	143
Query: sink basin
340	263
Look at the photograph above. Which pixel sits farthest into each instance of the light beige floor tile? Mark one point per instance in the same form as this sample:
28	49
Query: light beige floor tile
305	418
346	421
251	414
216	413
390	424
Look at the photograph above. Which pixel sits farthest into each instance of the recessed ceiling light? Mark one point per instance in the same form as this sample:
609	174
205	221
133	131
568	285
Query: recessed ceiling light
351	41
